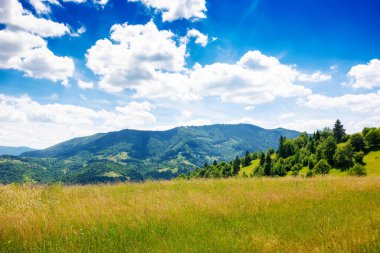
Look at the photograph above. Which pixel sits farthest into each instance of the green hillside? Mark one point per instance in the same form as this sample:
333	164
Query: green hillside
372	163
14	150
329	151
132	155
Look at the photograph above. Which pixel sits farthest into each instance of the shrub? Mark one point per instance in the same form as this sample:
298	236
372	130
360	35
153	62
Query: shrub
357	142
295	173
322	167
372	138
357	170
309	173
296	167
358	157
343	155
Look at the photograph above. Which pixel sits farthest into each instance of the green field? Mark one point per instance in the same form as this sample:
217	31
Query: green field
321	214
372	161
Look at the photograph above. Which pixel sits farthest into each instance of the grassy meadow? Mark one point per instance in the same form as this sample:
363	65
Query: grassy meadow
291	214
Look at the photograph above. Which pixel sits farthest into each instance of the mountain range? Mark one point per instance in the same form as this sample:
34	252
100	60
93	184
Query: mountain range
14	150
136	154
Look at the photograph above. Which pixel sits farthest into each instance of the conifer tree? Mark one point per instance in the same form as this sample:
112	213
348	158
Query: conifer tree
267	165
262	158
317	135
247	159
236	165
281	150
338	131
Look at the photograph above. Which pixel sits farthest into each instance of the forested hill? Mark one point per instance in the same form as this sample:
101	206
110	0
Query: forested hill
132	155
14	150
194	144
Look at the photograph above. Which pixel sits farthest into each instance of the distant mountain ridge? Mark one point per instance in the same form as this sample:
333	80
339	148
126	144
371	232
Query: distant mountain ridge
224	140
134	155
4	150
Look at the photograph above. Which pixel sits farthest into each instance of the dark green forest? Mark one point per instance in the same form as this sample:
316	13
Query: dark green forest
132	155
318	152
193	152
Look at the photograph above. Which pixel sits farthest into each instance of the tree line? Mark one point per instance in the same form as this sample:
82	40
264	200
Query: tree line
318	152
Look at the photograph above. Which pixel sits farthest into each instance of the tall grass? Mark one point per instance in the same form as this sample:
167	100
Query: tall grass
372	161
329	214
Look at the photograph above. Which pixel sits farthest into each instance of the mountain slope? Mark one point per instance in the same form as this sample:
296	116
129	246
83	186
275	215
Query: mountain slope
14	150
134	154
221	141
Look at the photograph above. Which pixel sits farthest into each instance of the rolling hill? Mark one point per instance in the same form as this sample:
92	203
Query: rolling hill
135	154
206	142
4	150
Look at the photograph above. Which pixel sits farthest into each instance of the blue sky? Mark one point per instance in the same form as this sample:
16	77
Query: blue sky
70	68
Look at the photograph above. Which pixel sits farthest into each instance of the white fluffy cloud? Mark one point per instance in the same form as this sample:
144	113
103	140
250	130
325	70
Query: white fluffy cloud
286	115
365	75
29	53
356	103
99	2
15	17
42	6
177	9
27	122
76	1
22	47
308	125
85	85
156	70
254	79
134	55
200	38
315	77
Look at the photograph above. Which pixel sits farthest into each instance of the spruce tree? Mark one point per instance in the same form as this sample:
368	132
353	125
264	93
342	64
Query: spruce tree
317	135
236	165
338	131
267	165
262	158
281	150
247	159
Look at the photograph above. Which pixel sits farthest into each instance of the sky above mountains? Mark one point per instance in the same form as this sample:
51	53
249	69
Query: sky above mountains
70	68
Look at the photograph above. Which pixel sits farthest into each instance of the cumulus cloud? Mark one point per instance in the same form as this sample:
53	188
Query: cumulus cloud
315	77
22	46
97	2
27	122
85	85
29	53
15	17
42	6
308	125
245	120
178	9
79	32
129	60
200	38
133	55
254	79
193	122
356	103
365	75
77	1
286	115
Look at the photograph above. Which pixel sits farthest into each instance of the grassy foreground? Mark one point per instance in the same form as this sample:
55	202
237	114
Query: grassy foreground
322	214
